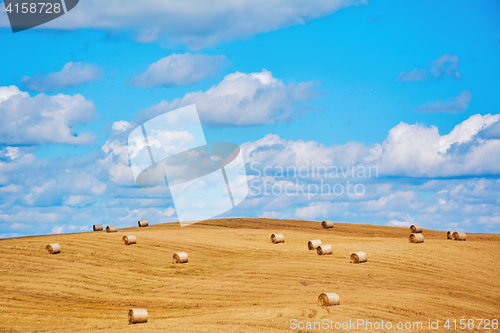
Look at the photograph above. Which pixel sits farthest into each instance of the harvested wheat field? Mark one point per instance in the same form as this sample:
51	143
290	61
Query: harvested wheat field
236	280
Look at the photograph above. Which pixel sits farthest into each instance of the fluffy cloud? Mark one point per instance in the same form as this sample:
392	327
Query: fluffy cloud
439	181
67	194
12	152
394	201
72	74
408	220
121	126
455	104
242	99
418	176
116	163
408	151
317	210
274	152
43	119
195	23
419	151
179	69
58	229
446	64
492	131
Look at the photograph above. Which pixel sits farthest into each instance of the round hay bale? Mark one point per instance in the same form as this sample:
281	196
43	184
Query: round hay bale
324	249
327	224
277	238
111	228
328	299
313	244
97	227
359	257
129	239
180	258
449	235
53	248
460	236
143	223
416	228
137	316
416	238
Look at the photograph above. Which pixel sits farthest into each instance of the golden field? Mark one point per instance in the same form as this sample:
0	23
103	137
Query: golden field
236	280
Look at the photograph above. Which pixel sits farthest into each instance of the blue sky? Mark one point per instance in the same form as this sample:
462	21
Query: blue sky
408	87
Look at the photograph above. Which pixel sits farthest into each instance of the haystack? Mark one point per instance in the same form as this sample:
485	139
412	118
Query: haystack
327	224
111	228
416	228
53	248
313	244
137	316
129	239
324	249
328	299
277	238
416	238
460	236
180	258
359	257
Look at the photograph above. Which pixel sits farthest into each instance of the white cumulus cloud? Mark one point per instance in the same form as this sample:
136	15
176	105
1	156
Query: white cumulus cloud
242	99
419	151
121	126
13	152
43	119
179	69
58	229
407	221
418	176
423	177
318	210
72	74
195	23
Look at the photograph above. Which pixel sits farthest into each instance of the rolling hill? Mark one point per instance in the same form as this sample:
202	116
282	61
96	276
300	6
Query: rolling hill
236	280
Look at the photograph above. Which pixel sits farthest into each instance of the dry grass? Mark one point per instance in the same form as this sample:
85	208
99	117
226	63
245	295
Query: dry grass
237	281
